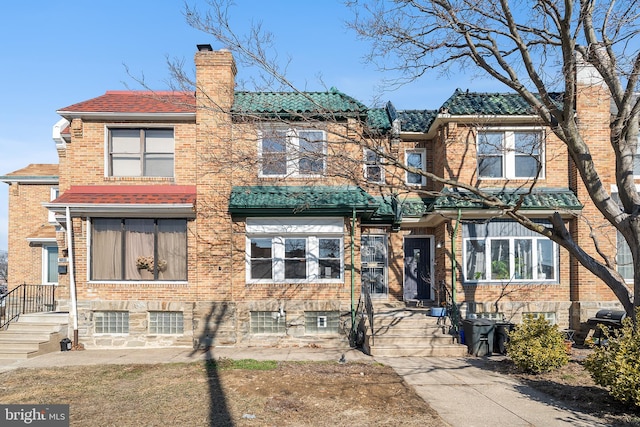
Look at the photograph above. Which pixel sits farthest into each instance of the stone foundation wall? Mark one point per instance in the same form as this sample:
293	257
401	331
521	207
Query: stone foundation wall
209	324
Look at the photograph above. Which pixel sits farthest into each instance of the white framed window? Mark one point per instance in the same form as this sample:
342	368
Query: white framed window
373	170
416	159
111	322
636	162
140	152
294	251
292	152
504	251
166	322
53	194
624	259
510	154
138	249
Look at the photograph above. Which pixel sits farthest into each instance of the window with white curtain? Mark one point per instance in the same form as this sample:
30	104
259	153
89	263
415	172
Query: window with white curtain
501	251
138	249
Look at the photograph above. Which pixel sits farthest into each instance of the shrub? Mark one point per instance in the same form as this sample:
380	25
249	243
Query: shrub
615	365
536	346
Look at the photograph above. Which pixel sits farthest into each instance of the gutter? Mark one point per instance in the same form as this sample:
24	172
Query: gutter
353	269
72	279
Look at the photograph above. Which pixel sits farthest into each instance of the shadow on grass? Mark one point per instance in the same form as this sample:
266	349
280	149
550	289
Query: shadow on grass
219	415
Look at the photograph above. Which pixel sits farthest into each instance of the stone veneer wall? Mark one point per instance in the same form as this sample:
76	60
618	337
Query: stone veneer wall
208	324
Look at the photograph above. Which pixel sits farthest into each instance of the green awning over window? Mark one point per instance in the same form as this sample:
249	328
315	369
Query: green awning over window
301	200
538	199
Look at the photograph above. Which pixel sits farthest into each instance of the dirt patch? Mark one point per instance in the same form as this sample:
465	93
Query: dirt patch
290	394
572	387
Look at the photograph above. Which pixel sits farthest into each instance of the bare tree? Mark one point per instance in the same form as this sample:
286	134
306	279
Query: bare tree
534	53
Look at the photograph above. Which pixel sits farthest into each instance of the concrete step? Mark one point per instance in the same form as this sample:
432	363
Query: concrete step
33	335
35	327
9	337
450	350
409	341
49	317
27	349
405	318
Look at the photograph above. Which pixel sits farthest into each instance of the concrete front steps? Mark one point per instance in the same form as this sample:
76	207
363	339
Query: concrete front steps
32	335
404	332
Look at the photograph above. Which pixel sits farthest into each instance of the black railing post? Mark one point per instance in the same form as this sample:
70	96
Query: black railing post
24	297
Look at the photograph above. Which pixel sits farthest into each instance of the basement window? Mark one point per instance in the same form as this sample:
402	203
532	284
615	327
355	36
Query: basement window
321	322
111	322
166	322
268	322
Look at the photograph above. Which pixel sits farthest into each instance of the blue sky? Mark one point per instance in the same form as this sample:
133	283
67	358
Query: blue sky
55	54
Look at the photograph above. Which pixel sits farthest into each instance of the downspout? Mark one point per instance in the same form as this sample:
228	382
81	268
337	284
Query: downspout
353	269
454	304
72	280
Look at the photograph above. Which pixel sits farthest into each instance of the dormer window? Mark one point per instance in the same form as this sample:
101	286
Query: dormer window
292	152
510	154
141	152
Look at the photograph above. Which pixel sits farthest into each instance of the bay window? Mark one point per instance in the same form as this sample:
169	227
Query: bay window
294	251
138	249
505	251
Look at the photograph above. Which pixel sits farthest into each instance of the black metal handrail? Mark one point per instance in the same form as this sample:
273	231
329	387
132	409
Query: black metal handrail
363	311
25	299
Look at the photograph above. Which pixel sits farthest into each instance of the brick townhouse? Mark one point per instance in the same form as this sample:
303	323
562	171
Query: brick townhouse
220	217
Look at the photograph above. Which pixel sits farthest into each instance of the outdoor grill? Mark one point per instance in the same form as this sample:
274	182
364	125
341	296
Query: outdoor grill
610	319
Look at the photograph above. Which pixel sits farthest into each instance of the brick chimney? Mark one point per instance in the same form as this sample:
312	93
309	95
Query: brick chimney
215	79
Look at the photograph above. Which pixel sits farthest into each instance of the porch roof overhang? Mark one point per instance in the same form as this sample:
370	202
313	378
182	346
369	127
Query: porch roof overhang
541	202
46	233
273	200
137	201
395	211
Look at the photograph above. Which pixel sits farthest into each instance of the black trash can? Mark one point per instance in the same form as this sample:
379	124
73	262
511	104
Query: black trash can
478	334
501	337
65	344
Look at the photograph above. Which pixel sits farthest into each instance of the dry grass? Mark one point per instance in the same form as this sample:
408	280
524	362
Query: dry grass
221	394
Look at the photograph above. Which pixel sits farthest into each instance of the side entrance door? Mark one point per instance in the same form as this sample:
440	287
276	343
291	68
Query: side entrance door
417	268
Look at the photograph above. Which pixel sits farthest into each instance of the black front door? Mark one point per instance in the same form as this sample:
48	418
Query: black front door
417	269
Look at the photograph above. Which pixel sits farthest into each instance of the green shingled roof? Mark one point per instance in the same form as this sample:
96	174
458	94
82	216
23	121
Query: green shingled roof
332	103
501	104
416	120
378	119
410	120
546	199
310	200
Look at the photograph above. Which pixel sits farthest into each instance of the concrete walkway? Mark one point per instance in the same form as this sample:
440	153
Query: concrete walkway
459	389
